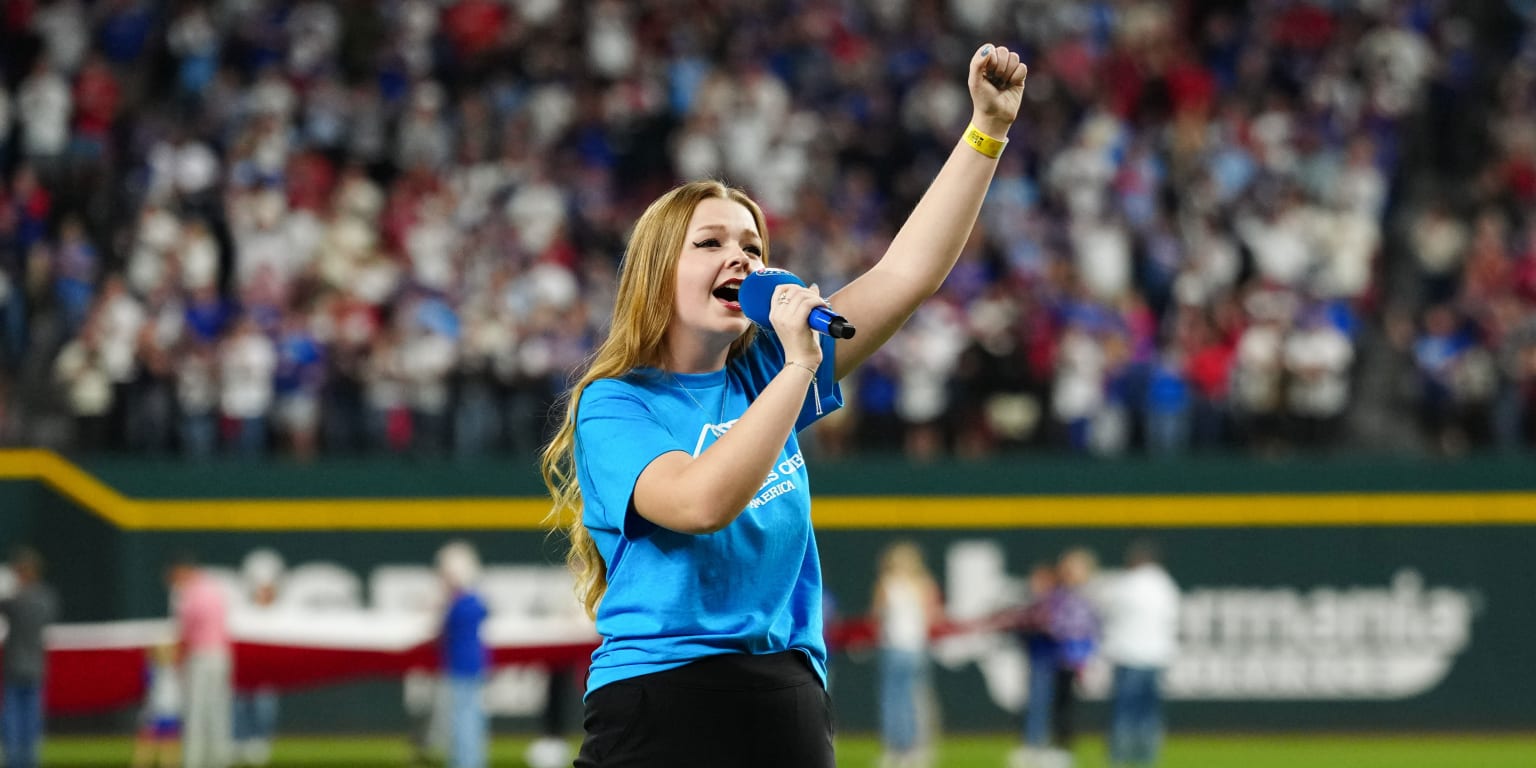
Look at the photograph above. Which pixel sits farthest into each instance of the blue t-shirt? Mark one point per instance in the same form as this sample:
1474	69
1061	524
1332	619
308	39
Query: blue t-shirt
753	587
464	654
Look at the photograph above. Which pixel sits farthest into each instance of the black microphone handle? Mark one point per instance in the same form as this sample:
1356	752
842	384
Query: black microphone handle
839	328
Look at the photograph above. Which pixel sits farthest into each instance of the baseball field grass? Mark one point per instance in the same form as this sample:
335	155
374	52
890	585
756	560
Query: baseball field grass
1503	750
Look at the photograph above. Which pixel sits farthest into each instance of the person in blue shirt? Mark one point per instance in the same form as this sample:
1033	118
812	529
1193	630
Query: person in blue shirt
465	658
678	475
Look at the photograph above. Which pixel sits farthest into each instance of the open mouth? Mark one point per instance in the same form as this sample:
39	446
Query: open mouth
729	292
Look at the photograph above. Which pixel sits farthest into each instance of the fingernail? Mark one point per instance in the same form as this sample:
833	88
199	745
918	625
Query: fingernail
986	50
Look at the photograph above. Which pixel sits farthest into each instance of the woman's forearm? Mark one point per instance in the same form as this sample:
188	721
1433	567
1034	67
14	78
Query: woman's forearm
705	493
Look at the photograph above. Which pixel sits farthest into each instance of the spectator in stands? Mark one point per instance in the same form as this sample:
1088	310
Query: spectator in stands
1140	610
298	380
76	267
429	354
247	361
151	416
1168	421
389	416
13	272
1258	368
81	370
1078	393
5	127
197	399
1438	241
1210	370
925	355
1438	352
437	174
27	613
201	613
1318	357
1513	329
43	105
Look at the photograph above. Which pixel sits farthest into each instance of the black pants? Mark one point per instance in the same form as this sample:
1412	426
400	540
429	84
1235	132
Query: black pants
1064	709
734	710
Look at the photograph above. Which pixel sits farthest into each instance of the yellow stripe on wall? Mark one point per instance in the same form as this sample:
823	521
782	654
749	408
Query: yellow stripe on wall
344	514
71	481
1205	510
830	512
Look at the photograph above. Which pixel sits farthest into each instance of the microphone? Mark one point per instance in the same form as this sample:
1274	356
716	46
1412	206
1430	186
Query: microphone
756	299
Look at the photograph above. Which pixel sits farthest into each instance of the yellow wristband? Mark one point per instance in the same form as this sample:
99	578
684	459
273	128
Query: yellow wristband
802	365
983	143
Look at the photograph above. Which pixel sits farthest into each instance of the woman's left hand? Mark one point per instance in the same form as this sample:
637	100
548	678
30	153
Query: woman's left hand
997	88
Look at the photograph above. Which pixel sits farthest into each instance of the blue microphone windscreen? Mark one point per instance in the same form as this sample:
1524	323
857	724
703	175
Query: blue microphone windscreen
756	293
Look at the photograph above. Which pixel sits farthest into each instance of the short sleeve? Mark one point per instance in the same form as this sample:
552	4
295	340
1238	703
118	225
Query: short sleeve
617	437
766	358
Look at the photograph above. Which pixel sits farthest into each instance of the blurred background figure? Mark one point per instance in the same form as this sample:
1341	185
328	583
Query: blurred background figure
551	749
907	605
158	741
425	713
1040	657
1075	626
201	611
1140	609
465	657
27	614
1072	626
256	709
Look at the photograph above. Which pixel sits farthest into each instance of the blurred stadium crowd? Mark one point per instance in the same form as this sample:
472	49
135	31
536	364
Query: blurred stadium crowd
300	227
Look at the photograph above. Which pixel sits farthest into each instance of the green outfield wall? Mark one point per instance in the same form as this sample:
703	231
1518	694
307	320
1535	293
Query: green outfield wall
1382	595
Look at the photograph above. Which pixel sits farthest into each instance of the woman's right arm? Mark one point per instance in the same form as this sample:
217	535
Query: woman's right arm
705	493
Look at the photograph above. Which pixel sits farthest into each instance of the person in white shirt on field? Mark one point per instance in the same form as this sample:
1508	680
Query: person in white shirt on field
1140	610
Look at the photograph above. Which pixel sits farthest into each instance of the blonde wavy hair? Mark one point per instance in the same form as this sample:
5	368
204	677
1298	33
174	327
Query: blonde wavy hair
636	338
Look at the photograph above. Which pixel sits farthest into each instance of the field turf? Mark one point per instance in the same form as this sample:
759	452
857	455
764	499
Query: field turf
1183	751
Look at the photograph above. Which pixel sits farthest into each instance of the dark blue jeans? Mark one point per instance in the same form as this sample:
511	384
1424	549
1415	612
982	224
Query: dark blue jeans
21	723
1136	716
255	716
1042	697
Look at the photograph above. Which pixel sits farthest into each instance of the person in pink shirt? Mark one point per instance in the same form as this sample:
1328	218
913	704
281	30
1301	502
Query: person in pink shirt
201	610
